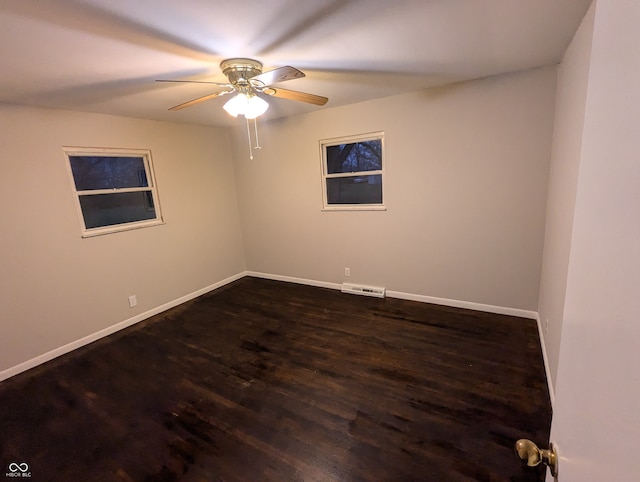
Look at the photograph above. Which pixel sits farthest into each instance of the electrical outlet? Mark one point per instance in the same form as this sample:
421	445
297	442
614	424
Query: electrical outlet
347	271
133	301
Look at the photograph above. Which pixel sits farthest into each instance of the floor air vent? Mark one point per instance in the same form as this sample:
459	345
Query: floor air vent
363	290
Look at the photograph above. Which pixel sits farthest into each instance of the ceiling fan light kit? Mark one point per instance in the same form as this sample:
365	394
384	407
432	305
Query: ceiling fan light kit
248	106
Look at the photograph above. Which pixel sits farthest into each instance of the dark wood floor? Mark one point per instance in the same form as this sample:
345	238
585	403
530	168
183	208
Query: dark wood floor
264	380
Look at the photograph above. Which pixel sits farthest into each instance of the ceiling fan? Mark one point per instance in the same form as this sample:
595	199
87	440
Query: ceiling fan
247	79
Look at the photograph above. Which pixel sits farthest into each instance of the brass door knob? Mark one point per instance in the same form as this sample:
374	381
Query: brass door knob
529	452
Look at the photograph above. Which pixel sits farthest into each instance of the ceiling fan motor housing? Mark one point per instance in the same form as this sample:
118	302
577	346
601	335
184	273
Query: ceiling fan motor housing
239	71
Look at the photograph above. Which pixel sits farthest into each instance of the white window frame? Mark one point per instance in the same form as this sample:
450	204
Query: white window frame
335	141
145	154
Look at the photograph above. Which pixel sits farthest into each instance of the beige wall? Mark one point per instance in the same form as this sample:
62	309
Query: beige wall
56	287
465	186
573	75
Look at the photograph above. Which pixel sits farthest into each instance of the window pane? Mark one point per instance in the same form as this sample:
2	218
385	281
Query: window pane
355	157
355	190
118	208
102	172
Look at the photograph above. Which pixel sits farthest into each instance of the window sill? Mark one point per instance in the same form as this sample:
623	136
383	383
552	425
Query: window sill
117	229
352	207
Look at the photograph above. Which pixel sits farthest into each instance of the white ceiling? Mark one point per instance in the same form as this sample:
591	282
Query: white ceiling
104	55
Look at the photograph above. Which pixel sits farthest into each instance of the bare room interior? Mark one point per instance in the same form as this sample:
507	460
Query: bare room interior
260	320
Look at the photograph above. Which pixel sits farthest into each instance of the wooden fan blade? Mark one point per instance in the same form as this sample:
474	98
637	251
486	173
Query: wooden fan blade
200	99
280	74
195	82
295	95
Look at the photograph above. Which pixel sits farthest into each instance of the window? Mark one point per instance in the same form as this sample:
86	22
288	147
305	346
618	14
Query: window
115	189
352	172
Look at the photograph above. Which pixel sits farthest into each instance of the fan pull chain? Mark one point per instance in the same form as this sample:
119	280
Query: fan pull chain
255	125
249	137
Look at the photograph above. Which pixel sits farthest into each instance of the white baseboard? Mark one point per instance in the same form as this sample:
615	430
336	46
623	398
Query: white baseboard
469	305
50	355
547	370
291	279
500	310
